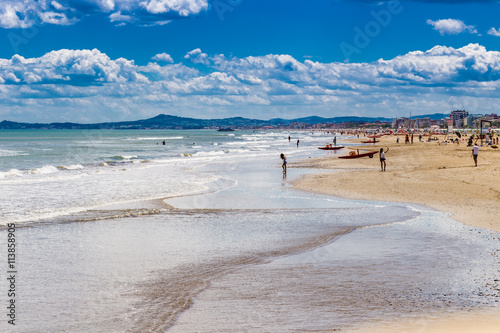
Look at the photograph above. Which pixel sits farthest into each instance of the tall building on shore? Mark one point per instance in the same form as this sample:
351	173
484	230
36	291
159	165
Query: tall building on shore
458	117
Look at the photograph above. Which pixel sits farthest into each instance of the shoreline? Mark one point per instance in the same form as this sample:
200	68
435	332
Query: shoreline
440	176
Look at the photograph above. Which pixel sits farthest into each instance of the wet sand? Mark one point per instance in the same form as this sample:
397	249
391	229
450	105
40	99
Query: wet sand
475	322
440	176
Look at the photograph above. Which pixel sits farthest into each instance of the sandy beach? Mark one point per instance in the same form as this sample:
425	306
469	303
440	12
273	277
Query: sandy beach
441	176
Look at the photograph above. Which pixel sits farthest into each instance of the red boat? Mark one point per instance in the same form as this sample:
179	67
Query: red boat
353	154
328	147
370	141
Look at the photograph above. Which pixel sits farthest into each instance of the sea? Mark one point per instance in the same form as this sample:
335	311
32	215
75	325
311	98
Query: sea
200	231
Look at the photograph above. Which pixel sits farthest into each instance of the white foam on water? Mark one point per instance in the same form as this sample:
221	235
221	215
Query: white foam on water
49	195
10	153
44	170
11	173
71	167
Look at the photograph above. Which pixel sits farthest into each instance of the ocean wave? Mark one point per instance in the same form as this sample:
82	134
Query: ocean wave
10	153
15	173
11	173
239	151
210	153
71	167
47	169
123	157
43	170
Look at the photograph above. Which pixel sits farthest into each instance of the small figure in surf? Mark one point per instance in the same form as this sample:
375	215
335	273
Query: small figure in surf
298	141
283	166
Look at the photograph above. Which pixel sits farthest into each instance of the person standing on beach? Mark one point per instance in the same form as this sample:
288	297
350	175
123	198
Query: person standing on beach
283	166
298	141
335	141
289	138
382	158
475	152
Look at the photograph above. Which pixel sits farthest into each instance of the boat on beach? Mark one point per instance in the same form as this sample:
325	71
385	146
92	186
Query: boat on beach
330	147
370	141
357	154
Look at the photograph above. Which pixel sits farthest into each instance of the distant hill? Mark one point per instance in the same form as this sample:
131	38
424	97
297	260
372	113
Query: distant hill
159	122
433	116
163	121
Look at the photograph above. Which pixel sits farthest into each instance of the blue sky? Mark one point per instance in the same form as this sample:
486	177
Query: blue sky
113	60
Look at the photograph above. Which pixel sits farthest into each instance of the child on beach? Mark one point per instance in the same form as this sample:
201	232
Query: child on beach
284	163
382	158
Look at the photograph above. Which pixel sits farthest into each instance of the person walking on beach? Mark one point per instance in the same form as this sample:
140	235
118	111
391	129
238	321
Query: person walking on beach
382	158
475	152
283	157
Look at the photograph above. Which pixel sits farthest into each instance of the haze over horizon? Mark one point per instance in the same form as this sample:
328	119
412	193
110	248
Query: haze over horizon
120	60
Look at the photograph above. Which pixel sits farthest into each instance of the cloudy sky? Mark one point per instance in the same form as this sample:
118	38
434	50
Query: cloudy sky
114	60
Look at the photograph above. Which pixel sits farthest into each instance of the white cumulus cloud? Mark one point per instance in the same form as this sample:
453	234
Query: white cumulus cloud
163	57
494	32
451	27
197	57
182	7
26	13
435	80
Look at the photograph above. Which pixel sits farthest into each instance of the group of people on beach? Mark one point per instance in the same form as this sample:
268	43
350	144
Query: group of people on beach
382	152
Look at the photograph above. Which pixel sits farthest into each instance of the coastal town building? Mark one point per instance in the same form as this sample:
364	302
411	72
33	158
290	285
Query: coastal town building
423	122
457	117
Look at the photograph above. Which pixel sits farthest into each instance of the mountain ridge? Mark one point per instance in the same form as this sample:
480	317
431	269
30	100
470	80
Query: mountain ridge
163	121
